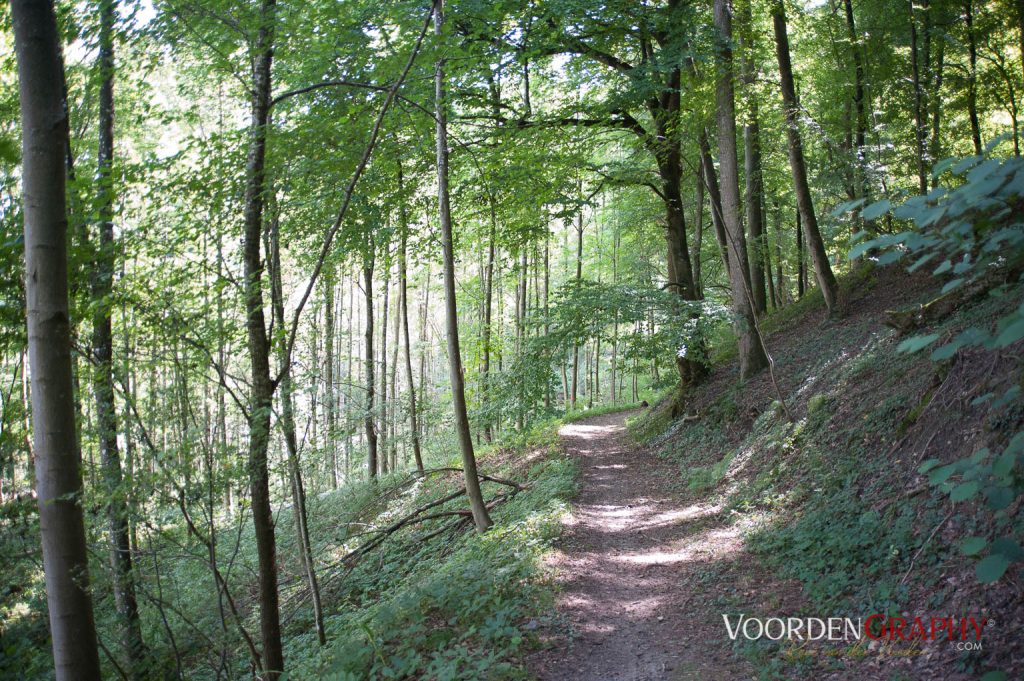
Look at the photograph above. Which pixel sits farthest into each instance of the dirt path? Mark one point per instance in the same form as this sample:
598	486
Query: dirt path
641	571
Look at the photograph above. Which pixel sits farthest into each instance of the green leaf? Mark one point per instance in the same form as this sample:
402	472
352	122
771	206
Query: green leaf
944	352
860	249
964	491
940	475
876	209
1008	547
915	343
1004	463
972	546
991	568
1016	444
952	284
1011	334
928	465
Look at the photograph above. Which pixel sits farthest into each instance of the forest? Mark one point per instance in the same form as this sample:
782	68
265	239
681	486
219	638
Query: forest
511	339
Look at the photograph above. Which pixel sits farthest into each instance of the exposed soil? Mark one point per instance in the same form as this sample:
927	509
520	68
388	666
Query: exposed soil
631	564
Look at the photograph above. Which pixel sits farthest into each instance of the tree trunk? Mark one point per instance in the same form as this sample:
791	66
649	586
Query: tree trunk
574	388
371	390
710	179
859	105
392	423
753	180
329	439
55	445
972	74
476	502
103	350
935	142
382	430
414	428
1019	4
919	126
801	268
751	354
488	310
291	441
822	269
262	388
698	238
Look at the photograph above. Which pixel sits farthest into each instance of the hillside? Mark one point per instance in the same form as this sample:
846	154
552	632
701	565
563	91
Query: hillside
835	518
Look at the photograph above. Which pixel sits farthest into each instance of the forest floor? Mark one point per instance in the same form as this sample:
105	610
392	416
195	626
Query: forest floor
632	569
735	509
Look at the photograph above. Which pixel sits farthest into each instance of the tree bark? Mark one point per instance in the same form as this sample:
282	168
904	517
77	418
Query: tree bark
972	74
698	237
919	125
574	387
55	445
753	179
291	441
710	179
751	354
123	580
331	407
859	105
476	502
371	390
262	387
414	428
382	430
822	269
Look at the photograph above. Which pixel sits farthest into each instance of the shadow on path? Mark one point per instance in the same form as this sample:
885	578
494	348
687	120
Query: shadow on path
630	565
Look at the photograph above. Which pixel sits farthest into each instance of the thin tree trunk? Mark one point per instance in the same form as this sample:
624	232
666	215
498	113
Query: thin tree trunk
781	287
1019	5
262	387
710	178
371	391
801	268
382	431
291	441
753	180
55	444
972	74
103	349
574	388
822	269
476	502
414	429
919	126
698	239
391	424
751	354
859	105
329	440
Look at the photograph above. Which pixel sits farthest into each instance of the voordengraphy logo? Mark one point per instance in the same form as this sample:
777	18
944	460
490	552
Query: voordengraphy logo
876	627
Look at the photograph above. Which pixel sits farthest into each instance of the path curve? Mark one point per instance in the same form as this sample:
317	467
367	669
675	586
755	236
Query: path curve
629	566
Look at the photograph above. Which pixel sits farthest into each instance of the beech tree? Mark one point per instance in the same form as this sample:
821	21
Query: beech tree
44	121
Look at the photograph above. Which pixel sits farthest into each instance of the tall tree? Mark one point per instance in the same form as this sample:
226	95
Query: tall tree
812	235
261	393
369	421
752	176
751	353
55	444
476	501
103	351
403	283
